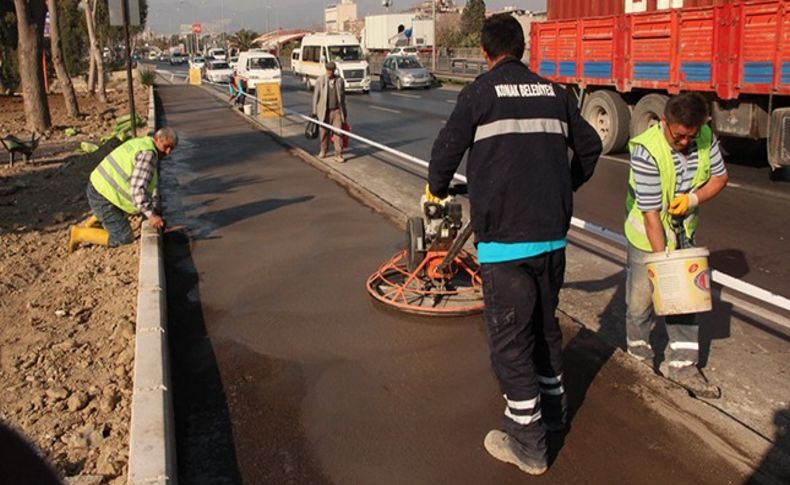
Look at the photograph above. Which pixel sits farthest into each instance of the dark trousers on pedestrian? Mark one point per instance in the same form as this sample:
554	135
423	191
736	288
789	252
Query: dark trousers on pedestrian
525	342
114	220
334	117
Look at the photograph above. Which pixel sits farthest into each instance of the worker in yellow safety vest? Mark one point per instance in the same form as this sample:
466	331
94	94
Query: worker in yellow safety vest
123	184
676	165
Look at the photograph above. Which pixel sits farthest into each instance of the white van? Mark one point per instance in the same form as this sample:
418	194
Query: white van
341	48
296	57
217	54
258	67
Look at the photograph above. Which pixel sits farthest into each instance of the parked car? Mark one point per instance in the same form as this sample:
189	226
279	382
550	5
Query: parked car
218	72
296	58
404	51
258	67
404	72
177	58
163	56
233	61
152	55
197	62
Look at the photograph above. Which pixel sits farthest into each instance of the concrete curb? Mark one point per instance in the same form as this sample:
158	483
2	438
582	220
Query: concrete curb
152	451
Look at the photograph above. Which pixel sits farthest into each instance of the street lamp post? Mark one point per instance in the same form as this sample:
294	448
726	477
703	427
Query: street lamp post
434	47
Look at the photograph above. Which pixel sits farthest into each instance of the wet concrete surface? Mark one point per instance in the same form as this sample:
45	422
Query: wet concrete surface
286	371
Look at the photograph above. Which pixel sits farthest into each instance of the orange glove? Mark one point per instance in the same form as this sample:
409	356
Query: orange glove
683	203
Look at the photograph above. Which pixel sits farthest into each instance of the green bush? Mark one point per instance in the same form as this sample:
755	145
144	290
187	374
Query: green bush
147	77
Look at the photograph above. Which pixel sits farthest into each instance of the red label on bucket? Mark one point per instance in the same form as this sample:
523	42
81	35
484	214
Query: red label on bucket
693	268
702	281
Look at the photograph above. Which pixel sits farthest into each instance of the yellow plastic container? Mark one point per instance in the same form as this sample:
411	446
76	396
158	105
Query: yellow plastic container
680	281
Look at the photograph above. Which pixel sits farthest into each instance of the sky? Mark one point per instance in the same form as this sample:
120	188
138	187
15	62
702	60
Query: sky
167	15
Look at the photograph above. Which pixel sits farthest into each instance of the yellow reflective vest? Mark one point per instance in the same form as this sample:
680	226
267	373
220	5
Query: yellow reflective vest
112	177
655	143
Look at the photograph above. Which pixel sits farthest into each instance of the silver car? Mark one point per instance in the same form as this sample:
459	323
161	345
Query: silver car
404	72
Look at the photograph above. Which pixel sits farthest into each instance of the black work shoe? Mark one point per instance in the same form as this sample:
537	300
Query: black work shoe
504	448
692	379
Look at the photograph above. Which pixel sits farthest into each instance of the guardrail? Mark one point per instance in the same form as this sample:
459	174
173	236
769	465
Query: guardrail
723	279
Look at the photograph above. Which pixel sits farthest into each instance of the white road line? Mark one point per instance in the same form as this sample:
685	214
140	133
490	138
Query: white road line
451	101
403	95
734	184
388	110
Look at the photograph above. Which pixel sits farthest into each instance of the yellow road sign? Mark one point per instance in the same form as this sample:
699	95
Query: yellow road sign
194	76
270	103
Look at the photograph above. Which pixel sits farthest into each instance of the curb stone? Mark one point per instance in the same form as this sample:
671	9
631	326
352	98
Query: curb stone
152	450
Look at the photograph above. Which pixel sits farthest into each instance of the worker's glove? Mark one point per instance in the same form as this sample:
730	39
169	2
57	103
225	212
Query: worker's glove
432	199
683	203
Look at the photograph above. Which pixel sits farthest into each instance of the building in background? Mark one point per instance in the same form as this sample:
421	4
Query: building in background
336	17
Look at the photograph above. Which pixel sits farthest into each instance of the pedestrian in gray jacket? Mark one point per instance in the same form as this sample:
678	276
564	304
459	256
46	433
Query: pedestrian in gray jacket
329	106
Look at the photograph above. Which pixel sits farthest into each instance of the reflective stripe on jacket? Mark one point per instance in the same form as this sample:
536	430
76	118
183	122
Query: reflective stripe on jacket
112	177
655	143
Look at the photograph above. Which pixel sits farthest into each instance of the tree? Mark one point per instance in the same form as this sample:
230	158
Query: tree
243	39
472	22
30	16
60	65
9	71
97	63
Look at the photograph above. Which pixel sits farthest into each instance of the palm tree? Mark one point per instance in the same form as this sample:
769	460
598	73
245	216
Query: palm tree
243	39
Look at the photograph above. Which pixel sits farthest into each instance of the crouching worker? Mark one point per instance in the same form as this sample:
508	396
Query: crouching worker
121	185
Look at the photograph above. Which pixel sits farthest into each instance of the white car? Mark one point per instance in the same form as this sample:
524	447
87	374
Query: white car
218	72
233	61
404	51
197	62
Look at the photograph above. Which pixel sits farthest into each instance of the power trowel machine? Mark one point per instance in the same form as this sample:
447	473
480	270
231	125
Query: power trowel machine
434	275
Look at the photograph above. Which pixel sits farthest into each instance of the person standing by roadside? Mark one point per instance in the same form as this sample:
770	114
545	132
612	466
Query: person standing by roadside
676	165
518	128
123	184
329	106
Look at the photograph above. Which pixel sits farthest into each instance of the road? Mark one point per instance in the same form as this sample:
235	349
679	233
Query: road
285	371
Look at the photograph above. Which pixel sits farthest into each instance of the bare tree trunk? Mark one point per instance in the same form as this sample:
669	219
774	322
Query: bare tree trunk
60	65
92	74
90	21
30	16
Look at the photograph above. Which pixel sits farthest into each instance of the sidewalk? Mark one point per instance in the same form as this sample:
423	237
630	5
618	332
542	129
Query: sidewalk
285	370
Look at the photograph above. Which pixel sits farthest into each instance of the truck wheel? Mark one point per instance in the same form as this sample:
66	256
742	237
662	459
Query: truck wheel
608	114
415	243
647	112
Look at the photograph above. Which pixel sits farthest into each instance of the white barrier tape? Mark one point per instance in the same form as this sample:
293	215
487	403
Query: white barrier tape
723	279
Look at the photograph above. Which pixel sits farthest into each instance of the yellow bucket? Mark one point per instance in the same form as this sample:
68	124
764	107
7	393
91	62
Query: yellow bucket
680	281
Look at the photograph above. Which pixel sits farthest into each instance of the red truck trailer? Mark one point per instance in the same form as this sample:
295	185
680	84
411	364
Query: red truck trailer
625	66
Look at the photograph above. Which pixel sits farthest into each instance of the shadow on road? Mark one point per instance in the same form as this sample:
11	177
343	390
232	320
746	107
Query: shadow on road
775	465
204	436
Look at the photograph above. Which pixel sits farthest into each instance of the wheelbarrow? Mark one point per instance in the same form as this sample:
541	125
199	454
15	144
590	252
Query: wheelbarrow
14	145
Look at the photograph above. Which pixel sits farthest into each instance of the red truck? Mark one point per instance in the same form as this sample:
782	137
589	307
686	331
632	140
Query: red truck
624	67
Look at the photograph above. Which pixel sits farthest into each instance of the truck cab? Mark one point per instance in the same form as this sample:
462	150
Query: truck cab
341	48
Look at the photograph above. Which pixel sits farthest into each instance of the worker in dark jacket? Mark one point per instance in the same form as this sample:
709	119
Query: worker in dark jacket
518	128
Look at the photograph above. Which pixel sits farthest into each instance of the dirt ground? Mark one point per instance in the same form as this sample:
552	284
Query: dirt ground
97	118
66	320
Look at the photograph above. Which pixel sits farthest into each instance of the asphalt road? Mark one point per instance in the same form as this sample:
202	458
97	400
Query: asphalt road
285	371
745	228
